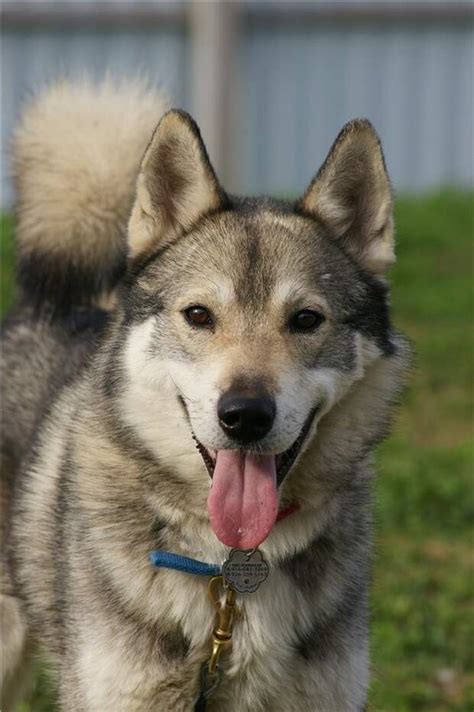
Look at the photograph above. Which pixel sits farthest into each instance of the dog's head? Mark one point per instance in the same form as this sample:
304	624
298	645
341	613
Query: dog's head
249	319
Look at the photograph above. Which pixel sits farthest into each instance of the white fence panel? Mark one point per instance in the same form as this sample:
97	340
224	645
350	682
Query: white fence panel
301	71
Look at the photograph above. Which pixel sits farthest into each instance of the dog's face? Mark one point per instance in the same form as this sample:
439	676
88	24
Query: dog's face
248	320
257	311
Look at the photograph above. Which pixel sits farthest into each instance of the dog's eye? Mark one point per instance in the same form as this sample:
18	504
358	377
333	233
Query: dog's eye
306	320
198	316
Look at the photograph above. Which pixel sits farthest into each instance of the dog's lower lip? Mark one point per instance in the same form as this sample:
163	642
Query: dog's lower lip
284	460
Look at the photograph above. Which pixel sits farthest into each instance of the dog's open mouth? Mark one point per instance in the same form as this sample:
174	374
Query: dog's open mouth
244	501
284	460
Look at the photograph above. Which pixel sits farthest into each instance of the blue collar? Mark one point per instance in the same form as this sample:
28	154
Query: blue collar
166	560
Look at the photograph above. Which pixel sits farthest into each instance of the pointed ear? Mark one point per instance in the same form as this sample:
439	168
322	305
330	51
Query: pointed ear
351	195
176	185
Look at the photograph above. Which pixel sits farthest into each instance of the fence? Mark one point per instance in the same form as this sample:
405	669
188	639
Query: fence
271	83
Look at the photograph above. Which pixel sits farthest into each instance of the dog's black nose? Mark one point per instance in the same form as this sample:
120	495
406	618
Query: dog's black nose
245	418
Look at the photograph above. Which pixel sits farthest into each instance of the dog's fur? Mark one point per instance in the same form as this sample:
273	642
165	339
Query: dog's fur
105	384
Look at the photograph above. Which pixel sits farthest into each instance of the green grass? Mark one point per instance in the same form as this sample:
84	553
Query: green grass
7	286
422	618
422	632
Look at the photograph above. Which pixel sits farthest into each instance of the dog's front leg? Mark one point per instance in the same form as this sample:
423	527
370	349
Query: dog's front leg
121	663
155	688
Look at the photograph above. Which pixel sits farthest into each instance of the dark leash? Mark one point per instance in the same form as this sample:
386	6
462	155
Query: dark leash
242	572
201	704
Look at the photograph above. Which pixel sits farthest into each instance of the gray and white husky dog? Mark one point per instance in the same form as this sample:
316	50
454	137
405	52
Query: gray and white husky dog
177	382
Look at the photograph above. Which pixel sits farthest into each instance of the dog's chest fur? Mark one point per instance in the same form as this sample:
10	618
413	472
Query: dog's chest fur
266	634
304	622
289	639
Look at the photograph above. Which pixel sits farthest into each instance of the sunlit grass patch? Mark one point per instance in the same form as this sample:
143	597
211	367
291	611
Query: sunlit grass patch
422	632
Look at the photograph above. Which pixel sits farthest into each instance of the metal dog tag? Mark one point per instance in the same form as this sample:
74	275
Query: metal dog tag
244	571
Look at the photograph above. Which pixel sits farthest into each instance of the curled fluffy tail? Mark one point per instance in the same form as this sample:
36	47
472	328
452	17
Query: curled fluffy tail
76	155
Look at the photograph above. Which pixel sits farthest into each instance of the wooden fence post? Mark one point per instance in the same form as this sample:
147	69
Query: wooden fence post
214	33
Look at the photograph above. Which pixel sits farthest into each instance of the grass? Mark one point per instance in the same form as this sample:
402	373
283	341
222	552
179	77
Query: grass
422	632
422	622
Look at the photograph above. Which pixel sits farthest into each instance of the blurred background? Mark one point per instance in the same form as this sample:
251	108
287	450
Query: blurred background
271	84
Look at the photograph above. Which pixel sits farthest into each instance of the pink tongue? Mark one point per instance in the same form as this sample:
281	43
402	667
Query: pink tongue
243	503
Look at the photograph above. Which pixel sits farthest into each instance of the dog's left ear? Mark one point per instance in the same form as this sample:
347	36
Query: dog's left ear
176	185
351	195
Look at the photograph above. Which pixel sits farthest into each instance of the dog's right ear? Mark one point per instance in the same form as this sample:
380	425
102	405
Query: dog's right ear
176	185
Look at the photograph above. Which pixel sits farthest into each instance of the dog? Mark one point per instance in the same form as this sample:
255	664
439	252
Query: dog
182	366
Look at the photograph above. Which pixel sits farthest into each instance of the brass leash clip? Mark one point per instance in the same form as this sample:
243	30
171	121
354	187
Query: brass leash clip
242	572
222	633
